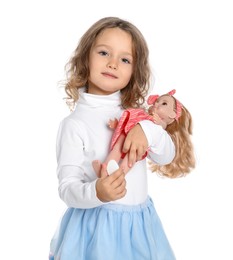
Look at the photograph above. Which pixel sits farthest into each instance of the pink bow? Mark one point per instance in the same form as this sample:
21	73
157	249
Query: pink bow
178	104
152	99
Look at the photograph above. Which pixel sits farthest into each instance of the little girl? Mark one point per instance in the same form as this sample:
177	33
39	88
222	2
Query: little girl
110	217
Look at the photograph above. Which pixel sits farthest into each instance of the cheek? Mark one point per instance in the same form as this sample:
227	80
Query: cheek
93	61
163	113
127	79
93	67
128	75
124	79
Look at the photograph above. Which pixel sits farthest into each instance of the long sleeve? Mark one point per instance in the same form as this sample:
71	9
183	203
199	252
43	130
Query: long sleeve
76	188
161	146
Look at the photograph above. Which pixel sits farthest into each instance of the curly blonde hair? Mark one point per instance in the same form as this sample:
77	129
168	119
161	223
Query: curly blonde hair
133	95
180	131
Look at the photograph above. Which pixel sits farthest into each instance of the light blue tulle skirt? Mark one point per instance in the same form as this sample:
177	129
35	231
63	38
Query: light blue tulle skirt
111	232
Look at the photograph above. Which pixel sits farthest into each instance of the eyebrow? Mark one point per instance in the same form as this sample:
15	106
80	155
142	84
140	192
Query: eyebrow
107	46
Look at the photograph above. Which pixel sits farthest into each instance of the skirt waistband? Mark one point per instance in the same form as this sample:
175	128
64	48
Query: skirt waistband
128	208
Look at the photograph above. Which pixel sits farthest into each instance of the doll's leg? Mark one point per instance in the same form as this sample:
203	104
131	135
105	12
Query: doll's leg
115	154
125	164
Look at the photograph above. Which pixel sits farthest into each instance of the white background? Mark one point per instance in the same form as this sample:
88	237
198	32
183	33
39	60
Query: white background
190	50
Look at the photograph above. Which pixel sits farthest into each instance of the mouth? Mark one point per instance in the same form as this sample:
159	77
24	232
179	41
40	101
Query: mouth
109	75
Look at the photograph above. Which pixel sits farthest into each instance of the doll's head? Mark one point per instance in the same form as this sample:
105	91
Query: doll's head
166	107
133	95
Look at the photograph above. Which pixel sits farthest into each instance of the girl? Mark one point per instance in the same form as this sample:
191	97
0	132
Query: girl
110	217
166	111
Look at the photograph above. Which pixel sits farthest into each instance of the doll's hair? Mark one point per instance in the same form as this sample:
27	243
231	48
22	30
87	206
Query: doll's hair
133	95
180	131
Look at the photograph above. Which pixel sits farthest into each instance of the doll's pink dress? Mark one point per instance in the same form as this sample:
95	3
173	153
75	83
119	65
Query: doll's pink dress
128	120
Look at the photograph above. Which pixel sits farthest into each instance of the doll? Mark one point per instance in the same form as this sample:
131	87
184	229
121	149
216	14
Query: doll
180	130
164	110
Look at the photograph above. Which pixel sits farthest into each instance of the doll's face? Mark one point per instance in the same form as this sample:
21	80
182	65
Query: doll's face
164	106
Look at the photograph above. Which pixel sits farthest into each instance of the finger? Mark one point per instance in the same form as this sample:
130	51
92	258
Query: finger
119	184
122	194
103	172
132	155
115	175
121	187
120	190
140	153
118	180
126	146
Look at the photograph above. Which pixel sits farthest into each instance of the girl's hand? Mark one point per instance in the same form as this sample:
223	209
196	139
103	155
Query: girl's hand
110	187
135	144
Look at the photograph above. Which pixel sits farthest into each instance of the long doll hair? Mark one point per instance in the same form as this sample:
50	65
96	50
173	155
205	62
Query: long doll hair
180	131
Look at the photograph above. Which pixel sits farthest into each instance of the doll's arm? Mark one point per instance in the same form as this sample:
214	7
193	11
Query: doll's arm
159	121
112	123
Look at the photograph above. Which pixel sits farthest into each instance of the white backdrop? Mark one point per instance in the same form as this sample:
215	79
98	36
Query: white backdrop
190	50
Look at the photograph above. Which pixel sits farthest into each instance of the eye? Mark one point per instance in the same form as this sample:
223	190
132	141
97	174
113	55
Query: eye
126	60
103	53
164	103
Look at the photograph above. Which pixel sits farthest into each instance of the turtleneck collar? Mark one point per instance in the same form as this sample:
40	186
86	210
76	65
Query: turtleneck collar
99	100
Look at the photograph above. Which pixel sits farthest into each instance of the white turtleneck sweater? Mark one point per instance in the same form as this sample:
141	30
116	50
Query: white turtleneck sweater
84	136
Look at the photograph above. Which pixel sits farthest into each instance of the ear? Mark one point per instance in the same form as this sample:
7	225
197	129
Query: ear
172	114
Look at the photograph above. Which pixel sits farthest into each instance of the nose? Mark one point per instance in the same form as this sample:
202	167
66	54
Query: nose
112	64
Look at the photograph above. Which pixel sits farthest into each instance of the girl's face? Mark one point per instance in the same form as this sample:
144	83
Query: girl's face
110	62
